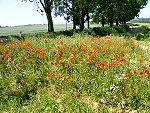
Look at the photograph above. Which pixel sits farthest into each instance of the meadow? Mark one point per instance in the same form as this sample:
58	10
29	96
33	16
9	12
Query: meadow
25	29
31	29
74	74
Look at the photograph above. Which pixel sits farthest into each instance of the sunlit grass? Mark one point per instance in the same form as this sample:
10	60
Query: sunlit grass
74	74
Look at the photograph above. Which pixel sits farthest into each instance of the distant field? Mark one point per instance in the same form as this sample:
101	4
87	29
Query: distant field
35	28
143	24
32	29
43	28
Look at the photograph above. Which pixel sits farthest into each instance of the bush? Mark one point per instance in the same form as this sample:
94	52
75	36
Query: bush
144	29
122	28
102	31
144	33
89	31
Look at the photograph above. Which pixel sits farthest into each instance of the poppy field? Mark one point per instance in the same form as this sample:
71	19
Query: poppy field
77	74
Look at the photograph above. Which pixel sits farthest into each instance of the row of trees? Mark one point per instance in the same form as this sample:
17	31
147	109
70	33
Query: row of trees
81	11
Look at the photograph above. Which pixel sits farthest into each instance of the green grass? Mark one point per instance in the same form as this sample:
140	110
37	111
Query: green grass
143	24
74	74
25	29
31	29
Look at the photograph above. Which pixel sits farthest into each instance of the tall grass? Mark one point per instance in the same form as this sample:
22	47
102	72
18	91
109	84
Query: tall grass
79	74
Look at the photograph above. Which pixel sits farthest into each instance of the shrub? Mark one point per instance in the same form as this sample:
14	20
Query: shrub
102	31
144	29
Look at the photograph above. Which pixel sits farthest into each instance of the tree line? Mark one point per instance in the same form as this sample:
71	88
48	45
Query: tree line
81	11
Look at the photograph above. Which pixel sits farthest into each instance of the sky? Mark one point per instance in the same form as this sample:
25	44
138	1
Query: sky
15	12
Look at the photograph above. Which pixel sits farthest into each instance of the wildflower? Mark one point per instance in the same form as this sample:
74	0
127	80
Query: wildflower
125	89
116	53
8	63
42	52
60	40
87	60
54	62
56	75
140	60
61	60
9	54
67	76
134	72
4	52
121	51
48	75
93	60
83	53
40	55
103	54
27	58
121	59
91	53
57	54
114	46
114	95
97	50
128	51
126	76
98	64
66	65
146	71
110	63
1	40
70	49
141	74
72	58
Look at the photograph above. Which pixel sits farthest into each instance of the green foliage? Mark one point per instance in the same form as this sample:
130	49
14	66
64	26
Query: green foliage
144	33
102	30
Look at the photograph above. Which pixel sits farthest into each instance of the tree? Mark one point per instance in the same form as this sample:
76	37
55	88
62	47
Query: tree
45	6
118	11
71	8
66	8
76	11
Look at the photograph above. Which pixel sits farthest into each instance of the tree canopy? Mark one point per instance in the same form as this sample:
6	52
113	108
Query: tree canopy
99	11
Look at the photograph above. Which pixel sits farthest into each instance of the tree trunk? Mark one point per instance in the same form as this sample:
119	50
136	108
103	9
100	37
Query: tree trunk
117	23
124	22
47	5
50	22
111	21
74	18
103	24
88	20
81	19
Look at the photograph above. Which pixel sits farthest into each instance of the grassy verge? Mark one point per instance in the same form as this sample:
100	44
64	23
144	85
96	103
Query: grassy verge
80	73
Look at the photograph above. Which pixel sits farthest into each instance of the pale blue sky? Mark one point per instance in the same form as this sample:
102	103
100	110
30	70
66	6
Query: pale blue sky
14	12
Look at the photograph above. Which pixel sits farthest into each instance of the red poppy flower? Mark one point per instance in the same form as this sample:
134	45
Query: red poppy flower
72	58
125	89
40	55
54	62
146	70
27	58
141	74
134	72
98	64
56	75
87	60
126	76
4	52
114	95
67	76
66	65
